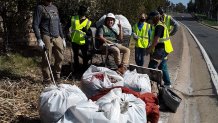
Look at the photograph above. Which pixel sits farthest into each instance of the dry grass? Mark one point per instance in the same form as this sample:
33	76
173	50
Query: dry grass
20	86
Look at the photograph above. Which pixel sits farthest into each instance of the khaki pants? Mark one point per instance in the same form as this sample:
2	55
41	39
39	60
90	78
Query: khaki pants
54	45
116	51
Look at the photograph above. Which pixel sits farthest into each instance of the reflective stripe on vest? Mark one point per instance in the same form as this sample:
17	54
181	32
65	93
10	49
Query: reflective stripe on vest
167	19
165	39
142	41
77	35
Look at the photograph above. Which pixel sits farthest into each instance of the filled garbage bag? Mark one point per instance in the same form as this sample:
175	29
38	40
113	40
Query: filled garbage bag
126	26
151	101
97	78
130	109
137	81
55	101
114	107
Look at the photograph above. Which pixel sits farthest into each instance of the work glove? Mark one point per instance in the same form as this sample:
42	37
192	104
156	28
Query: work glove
135	37
64	43
41	44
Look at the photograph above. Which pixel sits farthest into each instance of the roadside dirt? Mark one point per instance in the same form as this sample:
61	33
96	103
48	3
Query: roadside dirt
193	84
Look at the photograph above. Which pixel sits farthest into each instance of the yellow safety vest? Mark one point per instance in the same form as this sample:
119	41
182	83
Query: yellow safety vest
166	21
142	34
77	35
165	39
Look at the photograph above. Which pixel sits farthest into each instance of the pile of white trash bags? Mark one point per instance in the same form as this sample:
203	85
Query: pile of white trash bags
68	104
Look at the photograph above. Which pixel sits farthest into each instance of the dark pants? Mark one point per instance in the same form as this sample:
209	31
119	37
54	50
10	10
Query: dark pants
163	66
84	49
139	56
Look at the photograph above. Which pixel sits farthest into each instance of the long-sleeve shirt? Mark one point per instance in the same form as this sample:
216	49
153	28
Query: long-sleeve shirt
46	21
175	26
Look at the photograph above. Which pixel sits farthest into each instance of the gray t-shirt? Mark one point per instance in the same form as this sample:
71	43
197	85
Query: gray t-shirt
46	21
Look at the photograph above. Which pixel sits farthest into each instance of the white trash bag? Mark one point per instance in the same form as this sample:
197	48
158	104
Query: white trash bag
110	108
96	78
126	26
129	109
136	81
55	101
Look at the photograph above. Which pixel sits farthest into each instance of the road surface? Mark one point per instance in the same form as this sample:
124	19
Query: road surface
192	78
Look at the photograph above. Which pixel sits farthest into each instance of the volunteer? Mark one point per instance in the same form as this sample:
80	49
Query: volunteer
48	31
79	27
111	39
168	20
160	46
140	35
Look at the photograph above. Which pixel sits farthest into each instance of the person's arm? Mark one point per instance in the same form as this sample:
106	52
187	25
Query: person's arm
175	26
36	22
60	30
159	30
99	35
67	30
149	35
120	36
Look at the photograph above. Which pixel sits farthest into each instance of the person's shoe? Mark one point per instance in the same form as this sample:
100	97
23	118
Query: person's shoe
168	86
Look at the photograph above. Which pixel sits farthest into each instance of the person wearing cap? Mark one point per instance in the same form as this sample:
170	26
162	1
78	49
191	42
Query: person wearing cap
141	36
168	20
48	31
110	39
160	46
78	28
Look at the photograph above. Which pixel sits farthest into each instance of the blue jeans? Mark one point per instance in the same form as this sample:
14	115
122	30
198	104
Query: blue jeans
139	56
163	66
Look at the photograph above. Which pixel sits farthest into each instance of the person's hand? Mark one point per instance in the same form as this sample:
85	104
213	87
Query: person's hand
135	37
119	24
149	50
64	43
41	44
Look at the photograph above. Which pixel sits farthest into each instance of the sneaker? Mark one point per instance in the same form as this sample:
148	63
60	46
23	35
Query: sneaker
168	86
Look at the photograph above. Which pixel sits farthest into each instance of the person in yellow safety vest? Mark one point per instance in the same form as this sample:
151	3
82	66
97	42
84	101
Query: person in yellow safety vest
168	20
79	29
160	46
141	36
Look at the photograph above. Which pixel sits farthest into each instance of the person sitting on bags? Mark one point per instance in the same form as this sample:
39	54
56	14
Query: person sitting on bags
109	39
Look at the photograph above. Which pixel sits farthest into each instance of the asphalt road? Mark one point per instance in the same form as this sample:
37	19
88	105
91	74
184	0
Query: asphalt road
208	37
193	82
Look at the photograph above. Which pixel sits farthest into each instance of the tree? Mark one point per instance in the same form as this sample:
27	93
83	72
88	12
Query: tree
180	7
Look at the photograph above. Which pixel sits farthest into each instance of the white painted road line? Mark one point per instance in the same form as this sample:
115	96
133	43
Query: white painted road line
210	66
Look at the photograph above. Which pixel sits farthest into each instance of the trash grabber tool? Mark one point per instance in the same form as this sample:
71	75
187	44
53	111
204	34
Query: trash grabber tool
49	66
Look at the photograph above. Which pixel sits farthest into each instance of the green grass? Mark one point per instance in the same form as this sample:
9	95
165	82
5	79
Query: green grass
16	64
204	19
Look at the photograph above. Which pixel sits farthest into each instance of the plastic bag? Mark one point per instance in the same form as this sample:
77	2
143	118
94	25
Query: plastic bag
126	26
125	107
96	78
55	101
136	81
108	110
